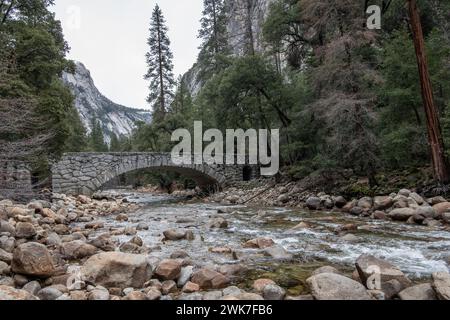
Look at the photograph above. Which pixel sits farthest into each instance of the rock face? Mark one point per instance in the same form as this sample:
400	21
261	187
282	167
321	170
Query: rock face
331	286
91	104
33	259
9	293
117	270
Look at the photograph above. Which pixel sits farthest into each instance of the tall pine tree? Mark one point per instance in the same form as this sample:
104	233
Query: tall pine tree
159	60
213	32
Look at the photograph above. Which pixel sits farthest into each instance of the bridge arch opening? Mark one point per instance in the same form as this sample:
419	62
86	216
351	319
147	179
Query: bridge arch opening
168	178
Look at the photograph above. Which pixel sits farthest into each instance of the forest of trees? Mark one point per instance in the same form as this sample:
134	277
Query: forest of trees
345	97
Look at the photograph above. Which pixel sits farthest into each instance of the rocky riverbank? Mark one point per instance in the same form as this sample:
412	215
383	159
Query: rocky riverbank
405	206
64	250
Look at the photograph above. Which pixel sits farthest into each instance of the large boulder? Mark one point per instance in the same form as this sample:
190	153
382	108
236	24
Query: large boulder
402	214
441	284
33	259
381	272
210	279
9	294
331	286
419	292
117	270
77	250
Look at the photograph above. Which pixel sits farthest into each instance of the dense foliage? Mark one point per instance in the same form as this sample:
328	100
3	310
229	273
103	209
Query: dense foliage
345	97
32	60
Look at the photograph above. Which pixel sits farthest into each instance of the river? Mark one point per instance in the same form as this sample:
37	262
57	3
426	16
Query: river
416	250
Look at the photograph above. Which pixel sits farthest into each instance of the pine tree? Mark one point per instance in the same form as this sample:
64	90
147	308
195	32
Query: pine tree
159	60
213	32
115	143
96	140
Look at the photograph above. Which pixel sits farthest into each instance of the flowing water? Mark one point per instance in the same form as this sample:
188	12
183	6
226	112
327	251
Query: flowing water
416	250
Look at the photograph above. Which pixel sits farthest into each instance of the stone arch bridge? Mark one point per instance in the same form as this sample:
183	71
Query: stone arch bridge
85	173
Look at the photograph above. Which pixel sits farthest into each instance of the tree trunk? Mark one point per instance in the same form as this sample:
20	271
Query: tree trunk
440	164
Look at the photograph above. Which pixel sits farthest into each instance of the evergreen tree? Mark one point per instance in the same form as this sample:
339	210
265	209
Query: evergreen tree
159	60
96	139
213	32
115	143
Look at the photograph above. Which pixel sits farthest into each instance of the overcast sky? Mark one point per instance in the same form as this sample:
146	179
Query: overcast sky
109	37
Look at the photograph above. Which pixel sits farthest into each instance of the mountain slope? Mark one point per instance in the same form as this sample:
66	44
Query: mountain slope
91	104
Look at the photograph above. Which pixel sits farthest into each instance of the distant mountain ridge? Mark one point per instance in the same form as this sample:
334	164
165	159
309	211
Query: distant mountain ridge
91	104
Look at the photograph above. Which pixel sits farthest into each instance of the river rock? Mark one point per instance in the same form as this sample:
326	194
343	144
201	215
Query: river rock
436	200
168	286
7	243
9	293
49	294
313	203
277	252
382	203
209	279
174	235
32	287
419	292
331	286
118	270
6	227
4	268
185	275
153	294
99	295
33	259
365	203
191	287
259	243
273	292
5	256
404	192
339	202
218	223
441	284
77	250
417	198
402	214
442	207
136	296
168	269
104	243
427	212
369	266
260	284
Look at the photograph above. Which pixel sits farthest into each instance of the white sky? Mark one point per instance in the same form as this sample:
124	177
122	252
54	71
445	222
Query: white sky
109	37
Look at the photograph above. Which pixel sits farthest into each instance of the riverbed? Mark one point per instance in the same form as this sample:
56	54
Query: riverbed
417	250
